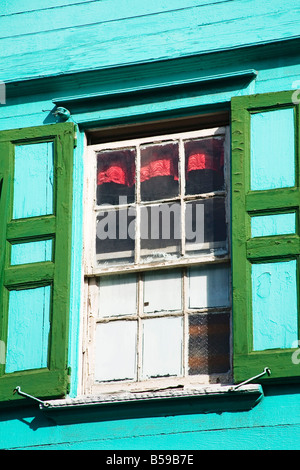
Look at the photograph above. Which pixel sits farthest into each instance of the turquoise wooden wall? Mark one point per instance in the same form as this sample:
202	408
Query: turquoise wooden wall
122	41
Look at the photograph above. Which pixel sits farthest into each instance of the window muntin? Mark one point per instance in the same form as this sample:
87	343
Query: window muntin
171	335
157	198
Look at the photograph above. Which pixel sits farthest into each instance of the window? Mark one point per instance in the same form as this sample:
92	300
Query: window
157	262
265	234
35	247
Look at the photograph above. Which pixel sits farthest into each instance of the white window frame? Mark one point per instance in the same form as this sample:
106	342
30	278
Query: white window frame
93	272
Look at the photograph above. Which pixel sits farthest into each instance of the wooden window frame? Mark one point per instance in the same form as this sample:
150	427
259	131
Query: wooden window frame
93	272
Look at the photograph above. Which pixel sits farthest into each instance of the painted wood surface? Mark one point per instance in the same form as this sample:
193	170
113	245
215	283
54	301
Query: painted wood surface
133	32
33	180
274	305
28	329
273	424
270	225
272	150
32	252
247	252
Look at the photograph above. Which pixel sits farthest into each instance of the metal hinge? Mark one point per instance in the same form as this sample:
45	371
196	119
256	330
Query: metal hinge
265	371
23	394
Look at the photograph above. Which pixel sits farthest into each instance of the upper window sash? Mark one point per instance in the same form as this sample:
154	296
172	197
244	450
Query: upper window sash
139	205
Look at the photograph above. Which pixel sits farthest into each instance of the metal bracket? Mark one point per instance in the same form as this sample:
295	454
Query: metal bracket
266	371
23	394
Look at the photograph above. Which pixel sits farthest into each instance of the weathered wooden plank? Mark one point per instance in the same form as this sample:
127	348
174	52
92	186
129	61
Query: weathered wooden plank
89	13
142	38
115	8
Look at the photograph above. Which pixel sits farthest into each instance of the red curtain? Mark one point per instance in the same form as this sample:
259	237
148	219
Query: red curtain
116	167
205	155
119	167
159	161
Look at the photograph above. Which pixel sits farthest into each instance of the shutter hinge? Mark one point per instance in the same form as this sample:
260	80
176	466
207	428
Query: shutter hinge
265	371
23	394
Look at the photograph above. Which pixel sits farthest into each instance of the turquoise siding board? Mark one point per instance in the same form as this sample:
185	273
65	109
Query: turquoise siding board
136	34
28	329
273	424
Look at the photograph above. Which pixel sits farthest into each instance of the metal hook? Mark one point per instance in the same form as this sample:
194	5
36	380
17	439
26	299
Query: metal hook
266	371
23	394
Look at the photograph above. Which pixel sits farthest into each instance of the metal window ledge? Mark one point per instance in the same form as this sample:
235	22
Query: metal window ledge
207	399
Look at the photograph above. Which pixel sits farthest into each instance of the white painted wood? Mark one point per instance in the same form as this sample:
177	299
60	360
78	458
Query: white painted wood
162	347
162	291
117	295
115	351
209	286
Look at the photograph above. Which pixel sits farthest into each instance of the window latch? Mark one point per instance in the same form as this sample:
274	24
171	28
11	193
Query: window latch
23	394
265	371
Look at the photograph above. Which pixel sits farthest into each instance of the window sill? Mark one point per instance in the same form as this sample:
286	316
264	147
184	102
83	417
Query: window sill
207	399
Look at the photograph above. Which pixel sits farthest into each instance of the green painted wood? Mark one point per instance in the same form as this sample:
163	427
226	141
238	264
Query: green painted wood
247	363
53	380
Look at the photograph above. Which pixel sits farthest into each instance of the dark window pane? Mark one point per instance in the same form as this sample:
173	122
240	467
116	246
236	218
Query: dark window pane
205	224
115	236
160	230
159	171
209	343
204	165
115	176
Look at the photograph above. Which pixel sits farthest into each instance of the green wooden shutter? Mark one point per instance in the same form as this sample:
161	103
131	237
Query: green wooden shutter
265	235
35	247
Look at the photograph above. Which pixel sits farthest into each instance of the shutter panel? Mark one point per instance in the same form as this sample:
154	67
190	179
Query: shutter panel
265	234
35	248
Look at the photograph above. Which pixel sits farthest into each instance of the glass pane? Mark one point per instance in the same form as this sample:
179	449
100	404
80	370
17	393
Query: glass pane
272	149
28	329
115	351
159	171
209	343
162	291
117	295
274	305
33	180
204	165
32	252
277	224
162	347
205	225
115	236
160	231
209	286
116	176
